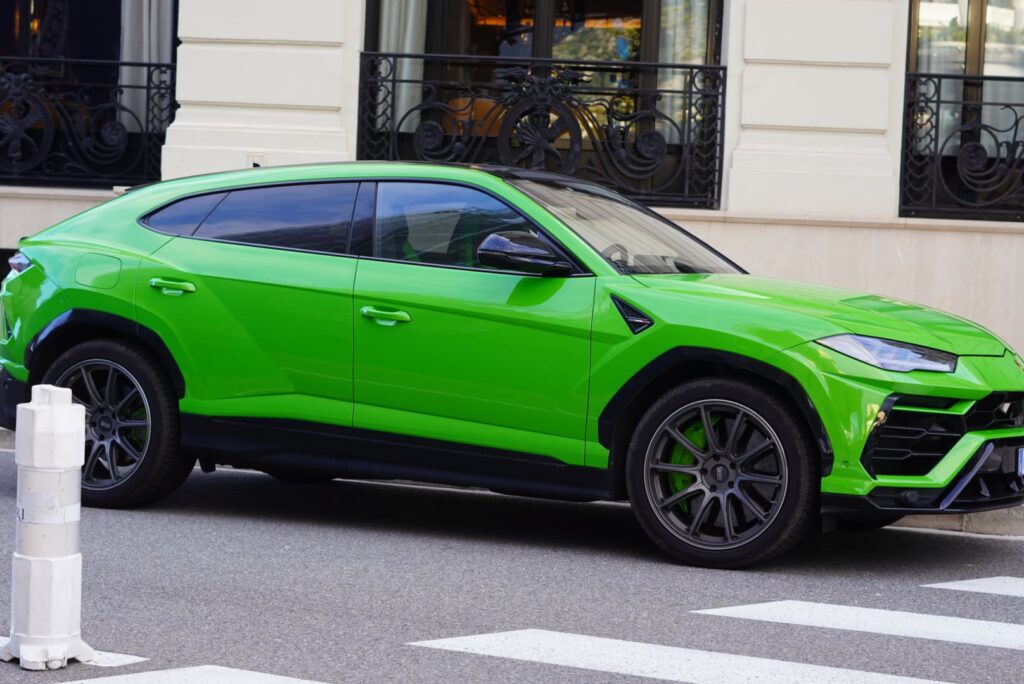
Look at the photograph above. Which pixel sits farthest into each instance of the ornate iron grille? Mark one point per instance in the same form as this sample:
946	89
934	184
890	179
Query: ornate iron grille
963	147
651	131
83	122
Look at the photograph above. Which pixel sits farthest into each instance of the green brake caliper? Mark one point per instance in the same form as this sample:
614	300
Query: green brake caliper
681	456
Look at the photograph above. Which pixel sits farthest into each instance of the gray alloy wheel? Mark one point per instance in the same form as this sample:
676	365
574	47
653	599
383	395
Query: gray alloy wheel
118	420
716	474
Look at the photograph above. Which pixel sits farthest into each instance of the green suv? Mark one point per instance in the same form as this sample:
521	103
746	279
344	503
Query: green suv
501	328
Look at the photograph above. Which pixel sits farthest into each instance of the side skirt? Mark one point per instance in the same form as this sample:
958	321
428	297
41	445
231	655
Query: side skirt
272	444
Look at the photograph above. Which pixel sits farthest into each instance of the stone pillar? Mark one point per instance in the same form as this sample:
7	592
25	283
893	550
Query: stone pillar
264	82
815	107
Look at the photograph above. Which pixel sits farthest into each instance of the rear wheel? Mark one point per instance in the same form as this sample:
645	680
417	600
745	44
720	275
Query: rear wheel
131	434
721	474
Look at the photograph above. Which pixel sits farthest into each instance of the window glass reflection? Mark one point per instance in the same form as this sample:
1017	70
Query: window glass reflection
492	28
605	30
942	37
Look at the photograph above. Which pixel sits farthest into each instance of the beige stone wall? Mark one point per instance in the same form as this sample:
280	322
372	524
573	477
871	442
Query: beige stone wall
969	268
814	107
27	210
268	85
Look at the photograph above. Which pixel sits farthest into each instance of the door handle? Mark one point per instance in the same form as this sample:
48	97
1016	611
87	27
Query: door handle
171	287
383	317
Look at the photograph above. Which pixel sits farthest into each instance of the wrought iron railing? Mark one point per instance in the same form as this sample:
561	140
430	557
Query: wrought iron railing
963	147
83	122
651	131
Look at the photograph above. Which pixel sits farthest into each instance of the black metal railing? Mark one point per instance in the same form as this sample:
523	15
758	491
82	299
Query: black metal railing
85	123
651	131
963	147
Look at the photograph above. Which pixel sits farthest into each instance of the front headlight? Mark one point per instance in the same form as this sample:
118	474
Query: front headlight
891	355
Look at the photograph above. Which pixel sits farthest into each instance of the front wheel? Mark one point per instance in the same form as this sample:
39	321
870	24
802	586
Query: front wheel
131	413
721	474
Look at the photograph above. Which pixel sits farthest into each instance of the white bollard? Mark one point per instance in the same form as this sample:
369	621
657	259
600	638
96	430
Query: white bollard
46	578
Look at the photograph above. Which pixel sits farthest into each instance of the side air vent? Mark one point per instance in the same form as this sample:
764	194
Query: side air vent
637	320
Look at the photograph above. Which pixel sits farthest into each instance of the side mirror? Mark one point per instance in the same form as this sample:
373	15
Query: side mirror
518	250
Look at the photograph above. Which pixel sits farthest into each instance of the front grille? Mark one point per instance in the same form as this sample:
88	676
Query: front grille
913	442
991	479
996	411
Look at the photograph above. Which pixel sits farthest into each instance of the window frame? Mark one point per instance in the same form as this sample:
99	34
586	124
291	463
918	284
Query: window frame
579	269
142	220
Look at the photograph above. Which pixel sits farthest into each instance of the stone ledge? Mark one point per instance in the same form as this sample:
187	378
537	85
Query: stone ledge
1009	522
684	216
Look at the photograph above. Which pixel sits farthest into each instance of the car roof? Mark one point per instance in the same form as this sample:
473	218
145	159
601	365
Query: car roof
210	182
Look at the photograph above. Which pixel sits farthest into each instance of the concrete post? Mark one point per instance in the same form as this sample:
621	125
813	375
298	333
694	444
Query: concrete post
46	578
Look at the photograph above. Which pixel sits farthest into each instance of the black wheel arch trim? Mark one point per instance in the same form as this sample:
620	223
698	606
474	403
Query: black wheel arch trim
73	319
608	420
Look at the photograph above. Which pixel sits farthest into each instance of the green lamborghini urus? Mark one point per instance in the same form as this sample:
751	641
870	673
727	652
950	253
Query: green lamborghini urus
502	328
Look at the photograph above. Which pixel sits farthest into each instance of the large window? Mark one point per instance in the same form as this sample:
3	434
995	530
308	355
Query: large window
628	93
86	90
965	103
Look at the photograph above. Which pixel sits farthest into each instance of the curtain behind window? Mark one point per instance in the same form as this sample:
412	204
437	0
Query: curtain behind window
942	36
683	39
403	28
147	35
684	31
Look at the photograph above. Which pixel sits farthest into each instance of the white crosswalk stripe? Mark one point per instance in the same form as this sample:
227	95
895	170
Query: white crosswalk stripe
651	660
1003	586
889	622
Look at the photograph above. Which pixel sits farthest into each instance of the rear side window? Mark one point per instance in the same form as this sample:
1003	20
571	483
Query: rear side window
183	217
314	216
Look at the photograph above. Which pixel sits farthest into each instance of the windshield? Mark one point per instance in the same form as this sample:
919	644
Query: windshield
629	237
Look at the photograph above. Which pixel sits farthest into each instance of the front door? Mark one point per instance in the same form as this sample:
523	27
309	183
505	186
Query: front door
449	350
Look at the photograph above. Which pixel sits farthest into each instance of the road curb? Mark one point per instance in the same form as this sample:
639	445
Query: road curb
1005	522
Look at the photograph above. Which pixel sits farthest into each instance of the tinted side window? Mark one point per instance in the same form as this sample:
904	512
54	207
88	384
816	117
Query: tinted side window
182	217
438	224
315	216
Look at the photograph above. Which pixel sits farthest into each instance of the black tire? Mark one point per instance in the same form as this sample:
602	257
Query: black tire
146	458
866	524
780	482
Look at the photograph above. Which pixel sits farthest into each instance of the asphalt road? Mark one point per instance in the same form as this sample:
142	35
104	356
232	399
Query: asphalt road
332	582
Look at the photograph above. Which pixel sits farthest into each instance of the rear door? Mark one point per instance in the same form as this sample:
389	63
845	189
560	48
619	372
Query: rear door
450	350
254	298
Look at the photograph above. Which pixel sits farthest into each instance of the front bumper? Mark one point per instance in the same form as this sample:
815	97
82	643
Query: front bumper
903	442
12	393
992	478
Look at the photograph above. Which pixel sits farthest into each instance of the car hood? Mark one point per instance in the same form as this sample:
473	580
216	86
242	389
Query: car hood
854	311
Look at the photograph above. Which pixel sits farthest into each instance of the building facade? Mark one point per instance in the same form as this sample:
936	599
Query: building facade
867	144
870	144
